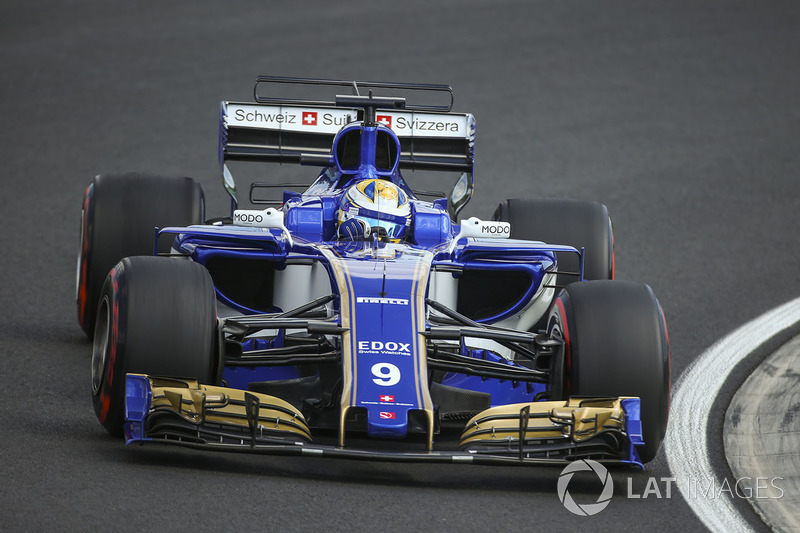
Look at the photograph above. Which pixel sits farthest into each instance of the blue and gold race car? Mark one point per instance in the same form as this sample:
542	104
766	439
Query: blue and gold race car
351	317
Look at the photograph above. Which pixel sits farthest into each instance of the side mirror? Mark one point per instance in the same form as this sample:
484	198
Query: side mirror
461	194
230	185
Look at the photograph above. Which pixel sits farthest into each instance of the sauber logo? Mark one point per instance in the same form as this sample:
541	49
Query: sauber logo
386	120
310	118
390	301
387	415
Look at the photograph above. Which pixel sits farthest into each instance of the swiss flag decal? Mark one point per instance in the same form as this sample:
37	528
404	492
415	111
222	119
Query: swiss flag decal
386	120
387	398
309	118
387	414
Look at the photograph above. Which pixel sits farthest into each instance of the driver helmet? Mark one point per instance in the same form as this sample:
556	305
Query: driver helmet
377	203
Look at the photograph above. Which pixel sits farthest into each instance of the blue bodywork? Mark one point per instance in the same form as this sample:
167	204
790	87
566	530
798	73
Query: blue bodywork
379	270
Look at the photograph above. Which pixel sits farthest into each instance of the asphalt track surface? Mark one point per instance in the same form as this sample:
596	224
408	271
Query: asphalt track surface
682	117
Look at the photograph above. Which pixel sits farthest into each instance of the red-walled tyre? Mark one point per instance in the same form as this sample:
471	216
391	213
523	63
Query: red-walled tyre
118	216
157	316
615	344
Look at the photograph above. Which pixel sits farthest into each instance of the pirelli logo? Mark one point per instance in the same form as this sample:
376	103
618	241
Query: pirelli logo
389	301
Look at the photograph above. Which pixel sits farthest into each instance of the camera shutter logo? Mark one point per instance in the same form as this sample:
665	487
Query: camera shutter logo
587	509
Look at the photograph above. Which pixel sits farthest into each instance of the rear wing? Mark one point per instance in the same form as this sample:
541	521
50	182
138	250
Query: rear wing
281	134
291	130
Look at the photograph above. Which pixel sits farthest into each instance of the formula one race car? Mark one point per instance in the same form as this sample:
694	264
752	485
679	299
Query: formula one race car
351	318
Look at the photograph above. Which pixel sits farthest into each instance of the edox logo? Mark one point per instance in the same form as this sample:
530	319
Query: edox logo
391	348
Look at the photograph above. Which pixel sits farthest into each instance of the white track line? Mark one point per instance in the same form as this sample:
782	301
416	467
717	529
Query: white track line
686	444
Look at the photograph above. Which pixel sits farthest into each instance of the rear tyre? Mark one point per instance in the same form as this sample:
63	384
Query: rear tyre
118	217
574	223
615	344
157	316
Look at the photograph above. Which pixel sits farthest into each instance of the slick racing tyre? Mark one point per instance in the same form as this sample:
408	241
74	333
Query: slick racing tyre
157	316
576	223
118	217
615	343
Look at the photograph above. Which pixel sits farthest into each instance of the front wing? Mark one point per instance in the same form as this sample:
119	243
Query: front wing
186	413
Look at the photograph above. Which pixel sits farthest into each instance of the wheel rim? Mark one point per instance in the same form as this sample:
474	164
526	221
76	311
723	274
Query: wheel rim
100	346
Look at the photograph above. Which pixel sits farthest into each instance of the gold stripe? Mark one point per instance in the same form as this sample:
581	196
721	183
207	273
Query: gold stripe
415	312
421	271
352	325
345	303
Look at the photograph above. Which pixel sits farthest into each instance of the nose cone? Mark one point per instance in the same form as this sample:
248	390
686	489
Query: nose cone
387	422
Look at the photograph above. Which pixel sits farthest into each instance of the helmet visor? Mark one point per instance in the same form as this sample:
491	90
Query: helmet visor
394	230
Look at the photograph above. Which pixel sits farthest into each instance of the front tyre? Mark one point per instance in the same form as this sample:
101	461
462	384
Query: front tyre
157	316
118	216
615	343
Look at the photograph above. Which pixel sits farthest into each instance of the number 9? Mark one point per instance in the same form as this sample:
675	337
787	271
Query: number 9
386	374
